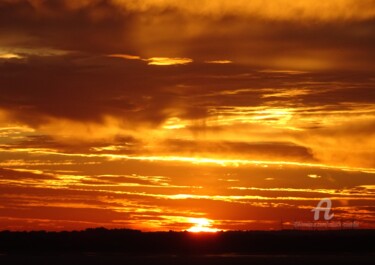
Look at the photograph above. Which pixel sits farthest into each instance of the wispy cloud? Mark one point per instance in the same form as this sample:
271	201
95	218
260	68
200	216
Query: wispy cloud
162	61
125	56
219	61
168	61
10	56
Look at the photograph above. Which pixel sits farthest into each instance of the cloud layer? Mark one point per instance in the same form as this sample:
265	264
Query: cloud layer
153	114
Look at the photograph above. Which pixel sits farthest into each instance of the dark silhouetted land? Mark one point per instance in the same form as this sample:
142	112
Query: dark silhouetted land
122	246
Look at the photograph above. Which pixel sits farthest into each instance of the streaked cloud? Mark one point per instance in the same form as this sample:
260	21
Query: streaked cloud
168	61
10	56
280	9
125	56
162	61
219	61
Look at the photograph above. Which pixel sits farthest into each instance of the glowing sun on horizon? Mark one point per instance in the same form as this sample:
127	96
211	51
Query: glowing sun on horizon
201	225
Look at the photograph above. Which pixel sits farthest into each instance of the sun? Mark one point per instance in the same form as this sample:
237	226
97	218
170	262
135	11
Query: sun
201	225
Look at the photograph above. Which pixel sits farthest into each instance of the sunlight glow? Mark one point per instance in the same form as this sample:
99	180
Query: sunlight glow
201	225
10	56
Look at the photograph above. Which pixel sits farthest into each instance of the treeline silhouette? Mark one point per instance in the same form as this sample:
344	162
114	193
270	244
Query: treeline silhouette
241	242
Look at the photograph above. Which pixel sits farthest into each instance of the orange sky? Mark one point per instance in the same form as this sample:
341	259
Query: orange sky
185	115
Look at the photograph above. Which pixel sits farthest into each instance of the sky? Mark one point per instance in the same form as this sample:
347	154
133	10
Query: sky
185	115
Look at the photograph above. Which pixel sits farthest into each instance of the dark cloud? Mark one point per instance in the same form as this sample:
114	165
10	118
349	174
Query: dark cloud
53	25
239	149
19	176
78	81
103	27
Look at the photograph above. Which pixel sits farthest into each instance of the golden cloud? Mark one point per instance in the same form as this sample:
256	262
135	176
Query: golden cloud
168	61
10	56
275	10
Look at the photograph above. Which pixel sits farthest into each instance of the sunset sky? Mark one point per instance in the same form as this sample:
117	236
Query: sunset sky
185	114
